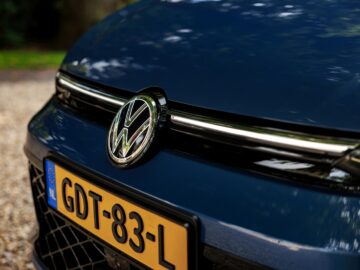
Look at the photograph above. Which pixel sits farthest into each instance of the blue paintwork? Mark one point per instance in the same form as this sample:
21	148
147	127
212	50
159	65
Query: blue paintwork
249	215
294	61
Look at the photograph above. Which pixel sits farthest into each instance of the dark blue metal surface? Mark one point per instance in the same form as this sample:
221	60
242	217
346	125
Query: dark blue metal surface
292	60
249	215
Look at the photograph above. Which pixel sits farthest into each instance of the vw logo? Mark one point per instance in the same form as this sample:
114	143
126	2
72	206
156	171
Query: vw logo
133	130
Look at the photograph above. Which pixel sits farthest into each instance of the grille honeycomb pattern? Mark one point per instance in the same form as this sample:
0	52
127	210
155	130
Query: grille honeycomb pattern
60	245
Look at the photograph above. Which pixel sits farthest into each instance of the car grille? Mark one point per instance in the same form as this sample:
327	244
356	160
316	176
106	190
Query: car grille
305	154
60	245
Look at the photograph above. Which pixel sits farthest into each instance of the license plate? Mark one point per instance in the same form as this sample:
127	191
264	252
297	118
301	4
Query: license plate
145	236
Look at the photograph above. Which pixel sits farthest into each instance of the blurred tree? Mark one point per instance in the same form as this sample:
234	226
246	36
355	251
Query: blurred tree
24	21
50	23
12	30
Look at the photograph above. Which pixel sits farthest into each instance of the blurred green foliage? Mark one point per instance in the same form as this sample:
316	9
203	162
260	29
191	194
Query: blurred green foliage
19	59
34	33
50	24
12	30
23	21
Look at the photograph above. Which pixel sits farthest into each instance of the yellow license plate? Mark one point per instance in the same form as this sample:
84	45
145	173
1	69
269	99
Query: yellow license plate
149	238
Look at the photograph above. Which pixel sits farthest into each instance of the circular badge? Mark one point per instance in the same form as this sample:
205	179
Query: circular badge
132	130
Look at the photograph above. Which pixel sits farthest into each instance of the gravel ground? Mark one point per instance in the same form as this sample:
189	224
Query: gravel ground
21	95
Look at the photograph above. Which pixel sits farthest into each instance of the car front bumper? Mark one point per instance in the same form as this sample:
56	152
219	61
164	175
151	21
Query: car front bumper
247	216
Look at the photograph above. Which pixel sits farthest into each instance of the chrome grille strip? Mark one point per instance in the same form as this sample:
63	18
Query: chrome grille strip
70	84
286	140
264	136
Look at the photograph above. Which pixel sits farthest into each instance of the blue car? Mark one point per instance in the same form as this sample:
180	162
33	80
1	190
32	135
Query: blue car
203	134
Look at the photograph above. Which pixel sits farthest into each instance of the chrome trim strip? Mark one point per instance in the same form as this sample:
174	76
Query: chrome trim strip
285	139
88	91
264	136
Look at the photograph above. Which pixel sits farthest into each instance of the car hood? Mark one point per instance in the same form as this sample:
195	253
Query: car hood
293	61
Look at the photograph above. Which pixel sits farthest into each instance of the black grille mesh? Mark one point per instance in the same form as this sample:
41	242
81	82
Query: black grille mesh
60	245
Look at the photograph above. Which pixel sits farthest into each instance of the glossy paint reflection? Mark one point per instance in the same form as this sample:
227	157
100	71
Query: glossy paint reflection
290	60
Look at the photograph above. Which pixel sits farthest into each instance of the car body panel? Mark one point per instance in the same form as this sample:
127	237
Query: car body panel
248	215
294	61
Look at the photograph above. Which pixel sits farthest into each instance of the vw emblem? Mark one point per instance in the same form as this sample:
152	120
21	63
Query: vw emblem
133	130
